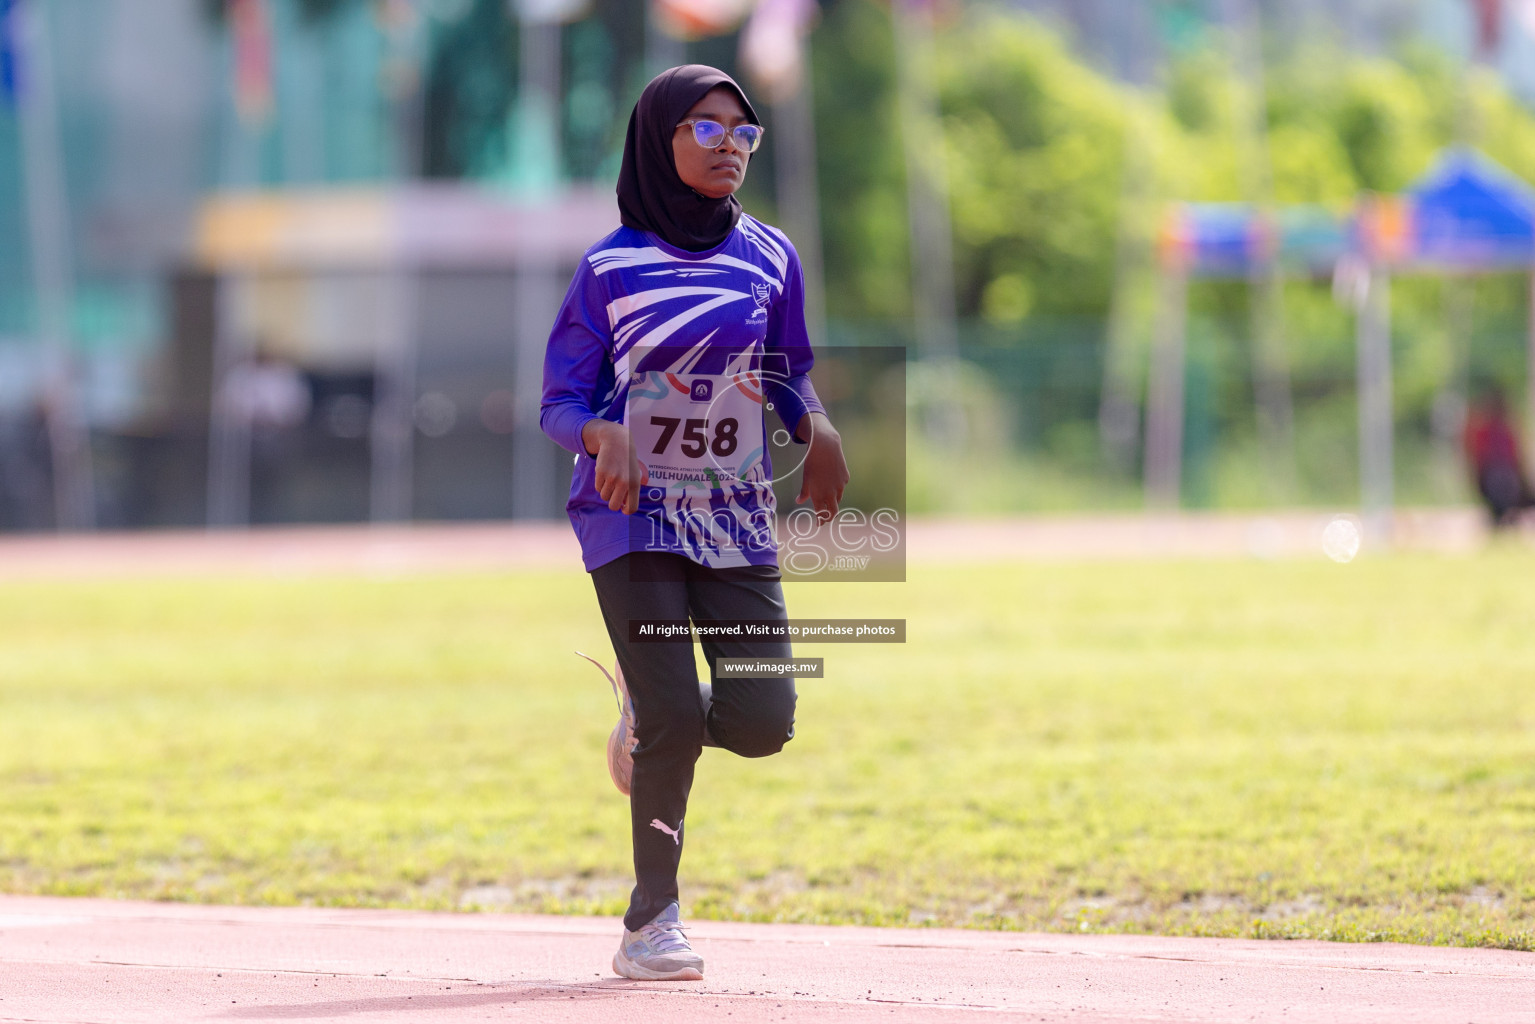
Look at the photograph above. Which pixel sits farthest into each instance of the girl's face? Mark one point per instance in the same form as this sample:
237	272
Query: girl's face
716	172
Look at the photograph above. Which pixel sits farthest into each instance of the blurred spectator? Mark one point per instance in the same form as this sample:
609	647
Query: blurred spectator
268	393
1492	451
26	471
271	396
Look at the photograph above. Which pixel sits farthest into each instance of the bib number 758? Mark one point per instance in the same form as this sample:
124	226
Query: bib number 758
695	439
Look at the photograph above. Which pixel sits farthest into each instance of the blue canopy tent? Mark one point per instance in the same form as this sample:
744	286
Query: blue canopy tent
1467	215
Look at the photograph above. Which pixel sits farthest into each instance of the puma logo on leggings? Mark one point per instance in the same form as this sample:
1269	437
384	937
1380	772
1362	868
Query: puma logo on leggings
658	823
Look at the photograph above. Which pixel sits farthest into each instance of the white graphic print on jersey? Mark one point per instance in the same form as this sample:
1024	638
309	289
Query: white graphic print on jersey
624	339
615	259
771	249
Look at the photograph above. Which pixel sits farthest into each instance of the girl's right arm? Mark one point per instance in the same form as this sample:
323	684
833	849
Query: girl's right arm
620	473
578	364
579	387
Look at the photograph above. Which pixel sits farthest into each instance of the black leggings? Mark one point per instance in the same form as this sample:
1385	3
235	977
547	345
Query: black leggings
674	715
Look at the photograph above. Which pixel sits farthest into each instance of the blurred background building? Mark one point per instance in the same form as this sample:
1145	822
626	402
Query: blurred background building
295	260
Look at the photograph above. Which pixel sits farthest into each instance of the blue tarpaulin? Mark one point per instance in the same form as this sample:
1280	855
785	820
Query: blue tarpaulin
1470	214
1233	239
1466	214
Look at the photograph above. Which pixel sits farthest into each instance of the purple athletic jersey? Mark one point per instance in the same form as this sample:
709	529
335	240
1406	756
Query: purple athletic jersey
689	350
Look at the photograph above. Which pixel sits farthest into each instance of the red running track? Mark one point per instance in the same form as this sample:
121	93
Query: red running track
394	550
86	960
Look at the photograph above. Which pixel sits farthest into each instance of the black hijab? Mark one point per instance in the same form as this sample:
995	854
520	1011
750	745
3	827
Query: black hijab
650	195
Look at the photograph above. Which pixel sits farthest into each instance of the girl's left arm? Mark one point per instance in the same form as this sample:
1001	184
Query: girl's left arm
825	467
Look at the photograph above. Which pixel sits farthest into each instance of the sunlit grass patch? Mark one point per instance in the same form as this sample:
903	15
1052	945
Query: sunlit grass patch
1202	747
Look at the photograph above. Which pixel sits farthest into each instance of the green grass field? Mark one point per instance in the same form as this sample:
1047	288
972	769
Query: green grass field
1203	747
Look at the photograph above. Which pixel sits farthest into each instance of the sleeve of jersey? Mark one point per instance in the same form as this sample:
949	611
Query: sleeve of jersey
578	367
789	358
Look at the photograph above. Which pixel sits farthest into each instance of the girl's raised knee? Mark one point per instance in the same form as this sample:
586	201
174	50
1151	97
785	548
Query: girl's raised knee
762	731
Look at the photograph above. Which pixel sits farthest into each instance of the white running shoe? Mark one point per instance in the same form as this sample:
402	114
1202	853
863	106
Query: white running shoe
659	951
621	741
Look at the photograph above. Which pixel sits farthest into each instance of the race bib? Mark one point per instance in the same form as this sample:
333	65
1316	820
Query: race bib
697	433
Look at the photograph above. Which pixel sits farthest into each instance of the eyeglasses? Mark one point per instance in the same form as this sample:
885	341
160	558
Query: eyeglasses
711	134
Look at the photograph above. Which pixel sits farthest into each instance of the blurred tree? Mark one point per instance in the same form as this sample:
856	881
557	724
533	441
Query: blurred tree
1035	147
1197	87
318	10
1384	122
591	112
470	87
863	198
472	83
309	10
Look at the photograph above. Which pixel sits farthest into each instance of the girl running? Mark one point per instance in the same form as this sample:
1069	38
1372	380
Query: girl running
679	331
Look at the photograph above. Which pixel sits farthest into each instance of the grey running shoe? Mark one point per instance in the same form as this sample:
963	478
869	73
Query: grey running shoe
621	741
659	951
